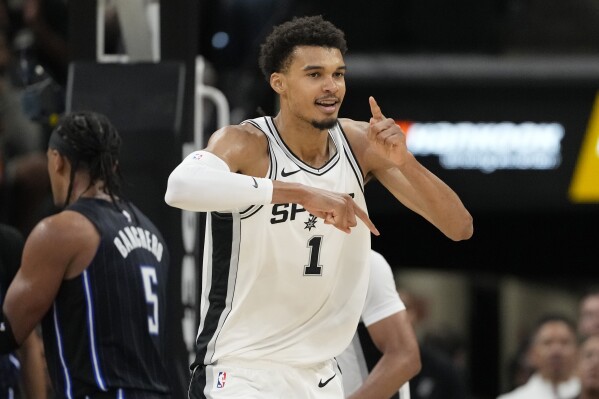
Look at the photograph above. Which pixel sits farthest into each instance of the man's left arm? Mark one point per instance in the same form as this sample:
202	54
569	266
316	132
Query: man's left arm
410	182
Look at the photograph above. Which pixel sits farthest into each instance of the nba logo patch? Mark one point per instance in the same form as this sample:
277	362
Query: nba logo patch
220	381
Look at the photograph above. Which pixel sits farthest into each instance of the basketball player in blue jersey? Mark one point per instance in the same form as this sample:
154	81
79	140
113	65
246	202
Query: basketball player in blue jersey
94	274
383	355
285	269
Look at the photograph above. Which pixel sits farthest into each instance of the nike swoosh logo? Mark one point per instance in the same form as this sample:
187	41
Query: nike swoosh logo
255	183
285	174
322	384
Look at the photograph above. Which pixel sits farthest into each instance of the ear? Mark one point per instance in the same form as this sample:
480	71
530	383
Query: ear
58	162
277	82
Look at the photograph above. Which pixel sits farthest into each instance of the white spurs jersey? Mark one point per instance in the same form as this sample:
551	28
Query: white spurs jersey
277	283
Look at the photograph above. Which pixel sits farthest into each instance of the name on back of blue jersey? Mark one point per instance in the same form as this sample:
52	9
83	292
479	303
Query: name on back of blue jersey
131	238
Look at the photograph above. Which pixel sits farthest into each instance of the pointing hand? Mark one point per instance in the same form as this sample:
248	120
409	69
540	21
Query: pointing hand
385	135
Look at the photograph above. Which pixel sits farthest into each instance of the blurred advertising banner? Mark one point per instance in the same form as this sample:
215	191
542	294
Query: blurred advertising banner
506	134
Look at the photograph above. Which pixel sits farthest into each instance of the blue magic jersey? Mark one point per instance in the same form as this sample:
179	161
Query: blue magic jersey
104	334
277	283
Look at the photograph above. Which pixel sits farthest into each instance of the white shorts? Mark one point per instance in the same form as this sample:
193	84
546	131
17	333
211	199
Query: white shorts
266	380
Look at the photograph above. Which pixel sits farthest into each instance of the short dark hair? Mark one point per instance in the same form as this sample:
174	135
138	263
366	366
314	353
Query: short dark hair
552	318
276	50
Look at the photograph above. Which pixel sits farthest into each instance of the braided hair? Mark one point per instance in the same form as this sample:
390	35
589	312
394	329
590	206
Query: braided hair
91	143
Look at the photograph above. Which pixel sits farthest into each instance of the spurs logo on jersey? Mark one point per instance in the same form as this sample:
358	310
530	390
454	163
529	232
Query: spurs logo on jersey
280	261
284	212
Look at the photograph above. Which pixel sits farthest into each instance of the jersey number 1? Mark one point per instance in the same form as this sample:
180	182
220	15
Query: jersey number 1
313	268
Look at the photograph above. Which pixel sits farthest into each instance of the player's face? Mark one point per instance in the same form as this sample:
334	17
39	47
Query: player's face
55	164
313	86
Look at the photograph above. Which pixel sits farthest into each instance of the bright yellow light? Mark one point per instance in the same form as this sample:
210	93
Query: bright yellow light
585	182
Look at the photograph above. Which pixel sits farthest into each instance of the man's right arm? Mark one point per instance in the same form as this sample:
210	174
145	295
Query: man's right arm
50	249
204	183
207	181
225	176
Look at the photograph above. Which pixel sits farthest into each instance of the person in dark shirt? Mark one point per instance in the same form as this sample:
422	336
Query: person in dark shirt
94	274
24	368
439	377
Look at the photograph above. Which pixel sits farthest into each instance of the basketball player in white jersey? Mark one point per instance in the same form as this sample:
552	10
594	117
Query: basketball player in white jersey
383	355
285	269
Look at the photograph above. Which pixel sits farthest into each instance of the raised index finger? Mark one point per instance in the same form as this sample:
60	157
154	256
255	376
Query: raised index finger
364	217
375	109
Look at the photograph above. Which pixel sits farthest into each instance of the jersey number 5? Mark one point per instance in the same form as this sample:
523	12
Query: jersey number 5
150	281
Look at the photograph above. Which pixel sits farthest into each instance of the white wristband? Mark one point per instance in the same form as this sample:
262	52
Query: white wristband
203	183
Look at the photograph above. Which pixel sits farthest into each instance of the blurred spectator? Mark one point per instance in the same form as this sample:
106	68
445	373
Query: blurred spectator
440	376
588	368
32	57
47	20
553	353
19	134
41	57
588	313
450	342
24	182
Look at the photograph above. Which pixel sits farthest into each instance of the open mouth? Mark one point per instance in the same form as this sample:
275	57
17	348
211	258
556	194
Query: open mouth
328	105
